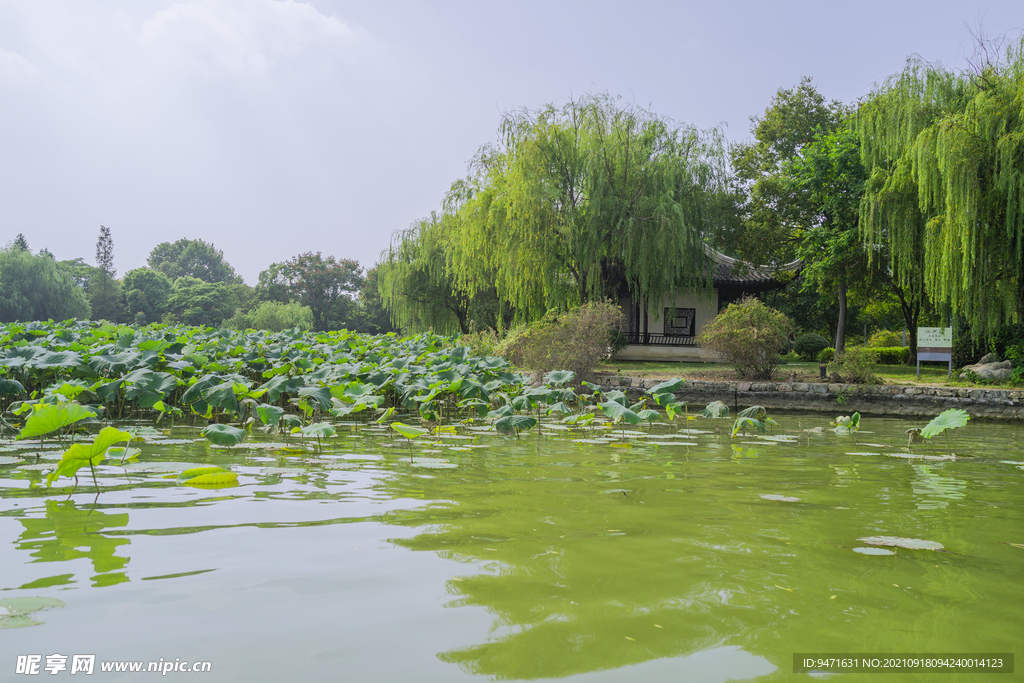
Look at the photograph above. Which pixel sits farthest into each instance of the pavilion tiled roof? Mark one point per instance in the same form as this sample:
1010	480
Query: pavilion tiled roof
738	273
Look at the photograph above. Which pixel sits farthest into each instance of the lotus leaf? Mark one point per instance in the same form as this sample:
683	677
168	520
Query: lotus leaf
947	419
899	542
620	413
670	386
781	499
559	377
514	424
224	435
715	409
409	431
50	417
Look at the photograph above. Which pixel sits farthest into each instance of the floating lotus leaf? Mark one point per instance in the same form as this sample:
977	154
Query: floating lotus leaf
215	480
14	611
873	551
899	542
781	499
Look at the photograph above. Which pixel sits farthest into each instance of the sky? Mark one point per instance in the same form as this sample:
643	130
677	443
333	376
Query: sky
276	127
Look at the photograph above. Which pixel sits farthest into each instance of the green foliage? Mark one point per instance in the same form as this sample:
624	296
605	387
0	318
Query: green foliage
574	201
945	156
892	355
146	294
808	346
371	316
224	435
513	424
47	418
324	285
856	365
947	419
771	212
37	288
192	258
197	302
273	316
715	409
409	431
750	336
574	340
826	355
885	339
88	455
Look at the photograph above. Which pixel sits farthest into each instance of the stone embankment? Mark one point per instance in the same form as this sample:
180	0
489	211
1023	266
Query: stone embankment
872	399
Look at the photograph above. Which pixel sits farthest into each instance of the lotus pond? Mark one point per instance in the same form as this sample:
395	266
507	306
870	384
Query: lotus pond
664	552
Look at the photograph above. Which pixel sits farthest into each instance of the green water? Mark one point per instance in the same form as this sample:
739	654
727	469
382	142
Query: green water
523	559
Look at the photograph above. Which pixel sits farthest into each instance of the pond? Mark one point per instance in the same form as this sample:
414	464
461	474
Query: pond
594	554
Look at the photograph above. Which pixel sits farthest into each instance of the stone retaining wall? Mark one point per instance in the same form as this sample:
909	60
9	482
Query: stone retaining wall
872	399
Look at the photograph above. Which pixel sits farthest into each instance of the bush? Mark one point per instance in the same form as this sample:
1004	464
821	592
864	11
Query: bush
856	365
575	340
892	355
826	355
810	345
750	336
885	339
273	316
482	343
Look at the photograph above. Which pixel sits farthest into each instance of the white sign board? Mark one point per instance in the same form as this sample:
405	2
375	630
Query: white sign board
935	343
935	337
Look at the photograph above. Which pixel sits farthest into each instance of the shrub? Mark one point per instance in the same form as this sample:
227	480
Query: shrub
272	316
885	339
892	355
574	340
482	343
856	365
750	336
810	345
826	355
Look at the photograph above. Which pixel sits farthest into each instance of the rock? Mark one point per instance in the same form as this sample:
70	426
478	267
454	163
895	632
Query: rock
996	370
988	358
835	378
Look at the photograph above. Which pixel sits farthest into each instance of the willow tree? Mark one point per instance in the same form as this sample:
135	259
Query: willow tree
945	191
582	202
414	284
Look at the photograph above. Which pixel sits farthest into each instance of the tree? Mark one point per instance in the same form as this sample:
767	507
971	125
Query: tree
103	290
20	242
196	302
36	288
147	293
194	258
325	285
945	192
372	317
772	214
414	282
575	202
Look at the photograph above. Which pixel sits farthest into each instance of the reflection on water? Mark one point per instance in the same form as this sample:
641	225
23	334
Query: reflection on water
67	532
934	490
649	562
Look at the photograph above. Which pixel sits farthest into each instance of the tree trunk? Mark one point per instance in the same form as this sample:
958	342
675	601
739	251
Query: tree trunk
841	326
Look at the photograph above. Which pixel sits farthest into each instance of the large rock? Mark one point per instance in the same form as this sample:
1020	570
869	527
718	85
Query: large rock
986	368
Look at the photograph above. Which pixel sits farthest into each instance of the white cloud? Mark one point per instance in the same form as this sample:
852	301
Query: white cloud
235	37
14	68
